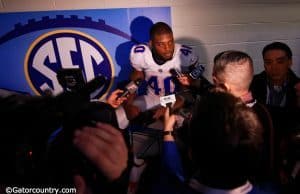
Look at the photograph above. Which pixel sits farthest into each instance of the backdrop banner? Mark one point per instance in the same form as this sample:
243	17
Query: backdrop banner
35	45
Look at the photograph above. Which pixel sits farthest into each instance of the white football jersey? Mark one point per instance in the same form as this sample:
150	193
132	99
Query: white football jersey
158	77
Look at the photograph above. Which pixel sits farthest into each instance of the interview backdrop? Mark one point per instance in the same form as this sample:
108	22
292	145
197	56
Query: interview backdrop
35	45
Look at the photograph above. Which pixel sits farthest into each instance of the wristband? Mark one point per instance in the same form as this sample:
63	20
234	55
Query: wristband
168	133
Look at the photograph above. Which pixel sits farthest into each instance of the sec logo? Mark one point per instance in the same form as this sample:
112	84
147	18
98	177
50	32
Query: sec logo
66	49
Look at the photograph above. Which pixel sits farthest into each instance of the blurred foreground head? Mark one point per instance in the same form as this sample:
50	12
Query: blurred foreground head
225	138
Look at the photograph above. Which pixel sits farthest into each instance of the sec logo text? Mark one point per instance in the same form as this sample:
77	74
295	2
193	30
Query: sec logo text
66	49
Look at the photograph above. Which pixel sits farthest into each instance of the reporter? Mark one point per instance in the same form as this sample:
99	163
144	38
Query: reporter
223	149
233	71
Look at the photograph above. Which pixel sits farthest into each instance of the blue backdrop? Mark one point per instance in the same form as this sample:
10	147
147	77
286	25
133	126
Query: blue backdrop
35	45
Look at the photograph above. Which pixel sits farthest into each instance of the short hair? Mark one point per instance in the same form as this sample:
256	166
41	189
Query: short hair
225	138
160	28
278	46
217	57
234	67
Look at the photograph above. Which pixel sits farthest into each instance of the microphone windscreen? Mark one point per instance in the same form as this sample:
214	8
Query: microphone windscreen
197	71
131	88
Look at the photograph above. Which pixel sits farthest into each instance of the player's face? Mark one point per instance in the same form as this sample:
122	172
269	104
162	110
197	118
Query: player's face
277	65
163	44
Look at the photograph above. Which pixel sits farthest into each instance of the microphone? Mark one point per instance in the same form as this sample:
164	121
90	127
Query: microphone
197	71
131	88
168	101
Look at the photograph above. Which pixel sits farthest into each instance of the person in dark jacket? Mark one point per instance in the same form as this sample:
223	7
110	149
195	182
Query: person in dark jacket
277	84
278	87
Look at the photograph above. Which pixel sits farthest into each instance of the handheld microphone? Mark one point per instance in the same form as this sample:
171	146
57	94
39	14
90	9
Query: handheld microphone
197	71
131	88
168	101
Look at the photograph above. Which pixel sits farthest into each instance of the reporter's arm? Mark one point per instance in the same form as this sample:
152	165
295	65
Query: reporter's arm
169	122
170	158
114	99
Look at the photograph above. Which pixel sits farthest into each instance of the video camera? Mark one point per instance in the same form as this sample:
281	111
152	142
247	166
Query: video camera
79	111
39	117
